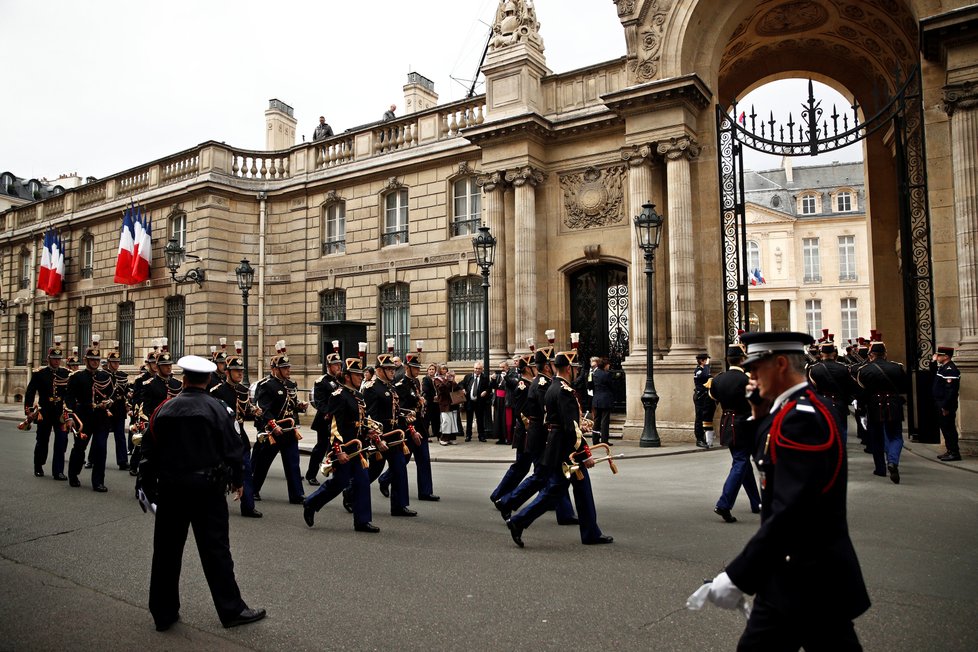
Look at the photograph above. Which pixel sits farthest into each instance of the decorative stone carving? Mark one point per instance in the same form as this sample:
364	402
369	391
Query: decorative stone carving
393	184
594	197
464	169
678	147
491	181
332	197
625	7
516	22
960	96
794	17
645	66
592	253
525	175
635	156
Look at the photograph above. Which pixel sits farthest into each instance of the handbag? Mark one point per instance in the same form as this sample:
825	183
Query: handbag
457	396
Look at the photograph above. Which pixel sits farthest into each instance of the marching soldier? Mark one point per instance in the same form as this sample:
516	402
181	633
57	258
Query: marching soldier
117	424
48	385
801	563
860	355
536	440
565	440
89	397
410	418
947	385
885	383
235	395
322	389
72	361
518	470
277	425
156	390
382	406
220	360
831	379
138	419
736	433
347	415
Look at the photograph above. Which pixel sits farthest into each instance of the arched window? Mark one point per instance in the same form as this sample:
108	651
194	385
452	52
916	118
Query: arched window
87	256
466	207
395	217
178	228
466	303
126	331
175	323
395	316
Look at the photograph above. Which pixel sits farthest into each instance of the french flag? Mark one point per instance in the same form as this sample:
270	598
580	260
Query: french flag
57	266
123	264
756	278
44	272
142	252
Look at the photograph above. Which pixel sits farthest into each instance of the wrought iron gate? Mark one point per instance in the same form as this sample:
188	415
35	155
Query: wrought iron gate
599	312
817	133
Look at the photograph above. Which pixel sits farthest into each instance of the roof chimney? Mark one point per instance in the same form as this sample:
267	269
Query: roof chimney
419	93
279	126
789	176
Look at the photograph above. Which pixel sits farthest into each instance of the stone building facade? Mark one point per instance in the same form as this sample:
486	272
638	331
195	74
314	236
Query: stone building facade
562	162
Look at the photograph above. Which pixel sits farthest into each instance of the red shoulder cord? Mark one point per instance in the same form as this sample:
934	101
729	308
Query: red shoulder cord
834	439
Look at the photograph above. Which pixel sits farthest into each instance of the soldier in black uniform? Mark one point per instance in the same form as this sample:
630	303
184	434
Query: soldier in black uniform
192	454
220	359
536	440
48	385
276	398
736	433
89	396
519	468
346	415
322	389
117	424
382	405
704	407
801	563
564	440
947	385
884	384
832	380
235	395
409	398
156	389
138	419
860	355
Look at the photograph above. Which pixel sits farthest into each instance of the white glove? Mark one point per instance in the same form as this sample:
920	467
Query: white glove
724	593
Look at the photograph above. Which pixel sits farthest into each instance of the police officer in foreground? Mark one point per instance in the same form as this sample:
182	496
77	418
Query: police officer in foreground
801	563
565	438
947	385
885	382
191	454
48	386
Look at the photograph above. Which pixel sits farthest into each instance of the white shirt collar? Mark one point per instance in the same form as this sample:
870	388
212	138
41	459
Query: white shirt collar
783	397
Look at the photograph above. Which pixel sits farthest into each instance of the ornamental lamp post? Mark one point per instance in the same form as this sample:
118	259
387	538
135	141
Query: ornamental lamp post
245	274
175	257
648	228
484	246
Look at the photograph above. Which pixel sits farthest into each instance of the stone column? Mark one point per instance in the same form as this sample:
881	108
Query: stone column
492	189
525	180
961	104
639	192
677	153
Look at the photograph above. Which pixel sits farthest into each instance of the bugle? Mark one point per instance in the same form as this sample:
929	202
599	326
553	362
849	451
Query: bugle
330	462
393	433
33	415
409	416
72	424
575	467
287	425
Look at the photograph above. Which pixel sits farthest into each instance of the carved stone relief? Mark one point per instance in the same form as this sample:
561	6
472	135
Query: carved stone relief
593	198
516	22
645	66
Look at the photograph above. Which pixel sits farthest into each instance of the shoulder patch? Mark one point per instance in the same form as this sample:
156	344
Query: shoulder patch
369	384
337	392
521	385
804	408
543	381
567	388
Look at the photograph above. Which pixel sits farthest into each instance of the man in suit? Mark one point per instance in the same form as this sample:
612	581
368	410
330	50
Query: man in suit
800	563
477	397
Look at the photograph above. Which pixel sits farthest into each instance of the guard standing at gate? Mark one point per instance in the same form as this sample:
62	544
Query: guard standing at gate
347	417
947	385
885	383
382	405
704	407
322	389
48	385
192	455
89	396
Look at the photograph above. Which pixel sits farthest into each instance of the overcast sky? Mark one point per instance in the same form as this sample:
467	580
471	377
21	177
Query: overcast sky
99	87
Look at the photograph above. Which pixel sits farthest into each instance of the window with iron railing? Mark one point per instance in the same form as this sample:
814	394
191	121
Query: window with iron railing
25	270
332	307
396	218
466	207
126	331
395	316
175	324
84	330
87	256
466	305
47	333
20	341
334	228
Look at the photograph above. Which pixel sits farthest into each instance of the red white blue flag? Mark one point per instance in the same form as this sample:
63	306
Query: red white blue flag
123	263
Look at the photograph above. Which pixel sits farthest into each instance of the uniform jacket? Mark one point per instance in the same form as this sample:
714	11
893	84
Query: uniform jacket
382	403
563	421
275	400
947	384
156	390
49	397
80	398
346	411
534	409
322	389
521	392
730	390
832	379
801	559
884	382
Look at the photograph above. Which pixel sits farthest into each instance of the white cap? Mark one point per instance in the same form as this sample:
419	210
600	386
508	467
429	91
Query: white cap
196	364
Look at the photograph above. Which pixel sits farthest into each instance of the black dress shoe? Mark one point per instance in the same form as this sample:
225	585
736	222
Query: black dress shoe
100	488
133	471
251	513
502	442
404	511
124	466
385	488
347	501
74	482
309	515
755	510
950	457
516	532
301	500
569	521
257	496
38	473
725	514
701	444
503	511
312	481
470	439
604	538
430	497
163	625
894	471
61	477
245	617
366	527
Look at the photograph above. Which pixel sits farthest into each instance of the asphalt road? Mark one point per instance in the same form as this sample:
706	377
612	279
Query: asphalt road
74	565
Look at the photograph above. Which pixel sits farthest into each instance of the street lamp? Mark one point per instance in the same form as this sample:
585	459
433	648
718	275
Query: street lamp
246	277
175	257
485	255
648	227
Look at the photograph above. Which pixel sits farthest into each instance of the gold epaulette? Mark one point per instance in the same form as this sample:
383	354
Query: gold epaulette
369	384
543	380
339	390
567	388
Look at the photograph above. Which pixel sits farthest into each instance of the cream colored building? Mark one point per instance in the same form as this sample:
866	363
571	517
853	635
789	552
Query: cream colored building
374	225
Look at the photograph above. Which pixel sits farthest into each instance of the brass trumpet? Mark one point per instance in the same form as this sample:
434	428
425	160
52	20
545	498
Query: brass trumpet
402	441
575	467
287	425
330	463
34	415
410	416
72	424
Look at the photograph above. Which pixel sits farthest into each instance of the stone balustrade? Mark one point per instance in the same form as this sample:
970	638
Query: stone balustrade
259	165
179	168
133	182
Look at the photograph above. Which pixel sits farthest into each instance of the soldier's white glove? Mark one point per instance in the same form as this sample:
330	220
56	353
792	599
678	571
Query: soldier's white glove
724	593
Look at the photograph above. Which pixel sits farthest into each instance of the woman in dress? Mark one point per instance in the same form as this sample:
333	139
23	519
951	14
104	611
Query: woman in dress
450	425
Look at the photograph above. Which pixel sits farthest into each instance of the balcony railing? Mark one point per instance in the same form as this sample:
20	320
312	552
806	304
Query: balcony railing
334	247
466	227
87	272
395	237
812	278
848	278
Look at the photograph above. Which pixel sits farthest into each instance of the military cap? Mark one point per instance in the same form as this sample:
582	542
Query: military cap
413	360
112	356
150	356
736	351
762	345
702	356
353	366
828	347
543	356
281	362
235	363
566	359
333	358
195	364
877	347
945	350
385	361
54	353
92	353
165	358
